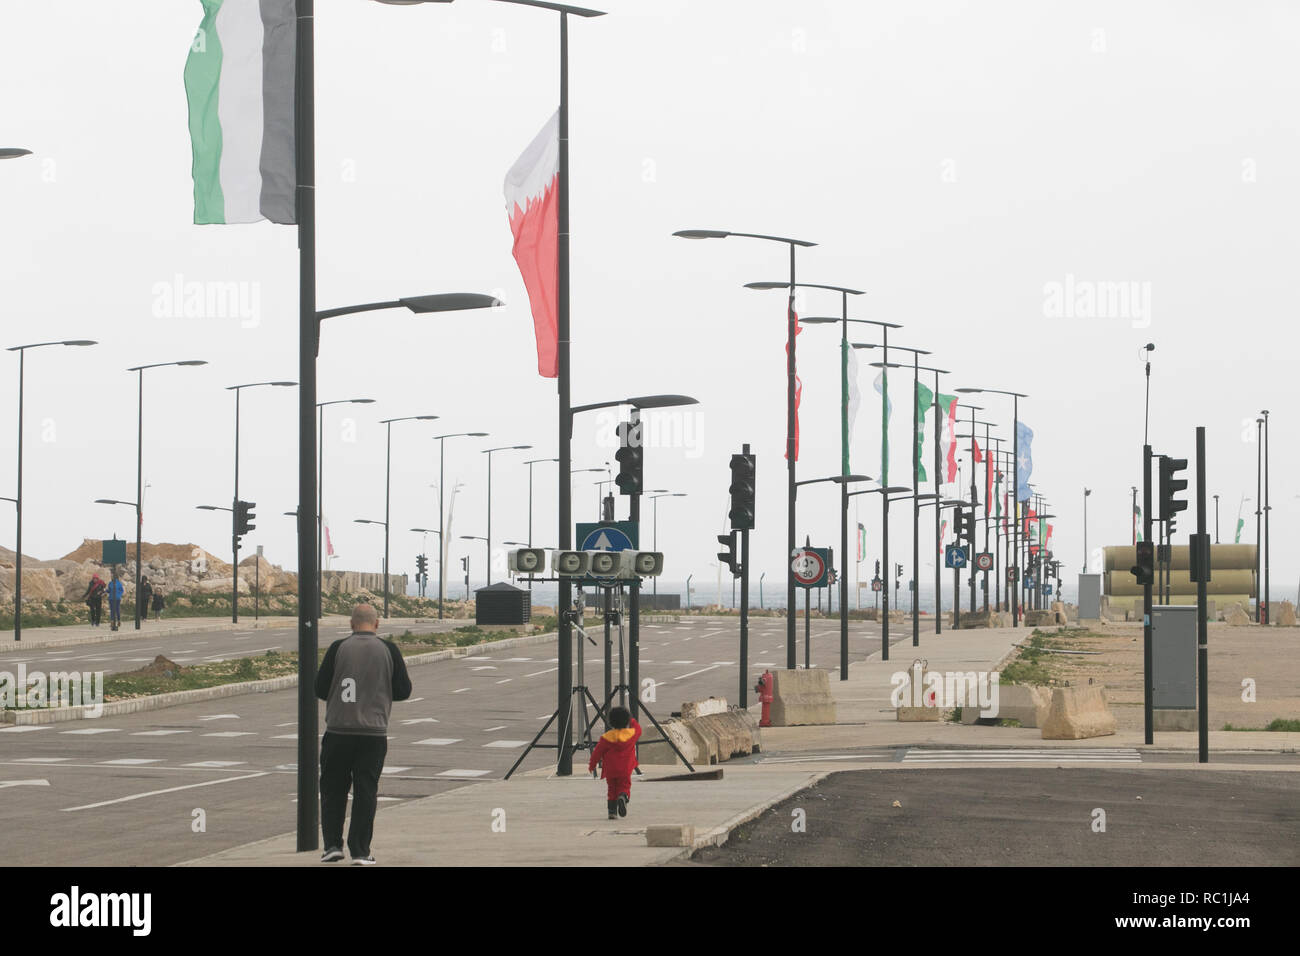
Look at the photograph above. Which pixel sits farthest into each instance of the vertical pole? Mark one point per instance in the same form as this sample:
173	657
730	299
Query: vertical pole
139	494
844	487
1148	718
388	489
884	494
974	498
530	527
791	452
744	604
1268	538
1015	533
1259	513
442	547
234	525
564	688
489	519
308	341
320	509
916	499
18	507
1202	628
634	586
807	628
938	515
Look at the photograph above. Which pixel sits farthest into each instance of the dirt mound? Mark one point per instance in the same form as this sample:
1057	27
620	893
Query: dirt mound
92	550
161	667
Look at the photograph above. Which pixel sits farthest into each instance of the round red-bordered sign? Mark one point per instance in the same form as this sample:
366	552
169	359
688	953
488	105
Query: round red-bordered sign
983	561
808	568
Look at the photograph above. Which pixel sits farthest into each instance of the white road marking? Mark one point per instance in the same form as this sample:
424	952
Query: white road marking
539	673
412	700
93	730
42	759
507	744
215	763
464	773
681	662
154	793
1026	755
220	717
439	741
159	733
233	733
505	680
693	673
131	761
23	729
388	770
488	730
23	783
285	737
460	690
484	667
289	723
420	720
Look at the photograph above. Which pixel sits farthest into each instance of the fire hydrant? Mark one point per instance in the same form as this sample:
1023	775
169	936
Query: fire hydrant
764	691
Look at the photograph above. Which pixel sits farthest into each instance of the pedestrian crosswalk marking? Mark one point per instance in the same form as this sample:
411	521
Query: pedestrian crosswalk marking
439	741
464	773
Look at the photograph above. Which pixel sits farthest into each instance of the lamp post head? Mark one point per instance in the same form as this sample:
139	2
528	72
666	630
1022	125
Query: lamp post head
12	152
450	302
701	234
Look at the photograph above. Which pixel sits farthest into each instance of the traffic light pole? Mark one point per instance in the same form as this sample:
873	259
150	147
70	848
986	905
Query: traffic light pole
234	530
744	607
1148	717
634	587
1202	627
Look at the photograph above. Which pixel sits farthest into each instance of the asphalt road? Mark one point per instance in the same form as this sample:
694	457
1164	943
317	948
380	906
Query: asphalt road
1027	817
124	790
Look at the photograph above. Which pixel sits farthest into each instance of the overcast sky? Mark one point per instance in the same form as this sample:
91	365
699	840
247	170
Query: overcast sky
967	165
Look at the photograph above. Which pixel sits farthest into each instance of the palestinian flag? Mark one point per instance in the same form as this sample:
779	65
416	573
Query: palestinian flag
239	80
532	190
924	399
948	436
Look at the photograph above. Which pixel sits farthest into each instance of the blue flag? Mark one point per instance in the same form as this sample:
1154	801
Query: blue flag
1025	463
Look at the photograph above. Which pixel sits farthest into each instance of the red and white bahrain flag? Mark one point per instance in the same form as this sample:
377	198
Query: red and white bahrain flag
532	201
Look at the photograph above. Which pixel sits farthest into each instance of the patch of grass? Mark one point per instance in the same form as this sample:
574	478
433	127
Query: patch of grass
1028	666
953	716
235	671
1279	725
1009	722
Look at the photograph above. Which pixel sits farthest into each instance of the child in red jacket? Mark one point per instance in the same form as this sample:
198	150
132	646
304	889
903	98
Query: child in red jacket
616	754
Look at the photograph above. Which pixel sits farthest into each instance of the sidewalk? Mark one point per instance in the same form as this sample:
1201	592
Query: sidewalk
560	821
34	637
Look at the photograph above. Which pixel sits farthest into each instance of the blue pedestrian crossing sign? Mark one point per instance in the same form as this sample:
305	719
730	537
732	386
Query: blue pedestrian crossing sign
954	556
1047	589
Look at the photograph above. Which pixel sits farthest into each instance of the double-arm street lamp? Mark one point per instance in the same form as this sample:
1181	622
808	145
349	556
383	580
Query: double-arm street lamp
388	484
1015	480
234	532
139	470
18	502
488	452
320	493
654	546
843	480
791	440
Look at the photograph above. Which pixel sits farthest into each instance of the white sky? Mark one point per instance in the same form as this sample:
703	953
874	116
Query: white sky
951	159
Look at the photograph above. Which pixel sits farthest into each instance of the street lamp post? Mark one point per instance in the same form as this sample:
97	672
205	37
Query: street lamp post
1015	479
442	547
530	464
139	469
388	485
884	492
843	480
1086	493
488	452
845	352
18	502
1268	538
234	534
791	443
654	498
320	495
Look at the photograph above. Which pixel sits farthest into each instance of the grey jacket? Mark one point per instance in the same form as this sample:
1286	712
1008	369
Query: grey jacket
359	679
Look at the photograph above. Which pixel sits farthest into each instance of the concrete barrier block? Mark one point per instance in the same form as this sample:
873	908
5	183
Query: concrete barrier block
1078	712
1027	703
699	708
801	698
675	834
700	749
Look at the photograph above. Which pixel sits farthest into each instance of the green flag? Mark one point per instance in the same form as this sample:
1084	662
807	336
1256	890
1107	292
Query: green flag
924	399
1241	523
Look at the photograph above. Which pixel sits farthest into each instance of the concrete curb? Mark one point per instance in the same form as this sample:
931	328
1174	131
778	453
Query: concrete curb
717	836
27	645
138	705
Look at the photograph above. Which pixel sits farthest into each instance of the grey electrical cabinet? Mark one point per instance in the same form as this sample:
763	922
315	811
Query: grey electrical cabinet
1173	656
1089	597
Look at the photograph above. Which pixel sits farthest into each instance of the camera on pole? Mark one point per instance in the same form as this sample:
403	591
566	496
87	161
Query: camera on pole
630	457
743	472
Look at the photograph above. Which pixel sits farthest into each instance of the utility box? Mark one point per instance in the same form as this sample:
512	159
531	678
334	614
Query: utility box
502	603
1089	597
1173	666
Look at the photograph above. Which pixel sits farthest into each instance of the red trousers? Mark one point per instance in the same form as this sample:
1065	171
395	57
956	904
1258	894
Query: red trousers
618	785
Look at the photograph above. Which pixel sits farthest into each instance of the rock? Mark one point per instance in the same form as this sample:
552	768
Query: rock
1236	616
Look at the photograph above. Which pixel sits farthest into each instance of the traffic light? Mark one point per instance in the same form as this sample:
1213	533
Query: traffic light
464	564
959	525
421	564
1145	569
630	458
898	571
728	557
970	529
742	492
244	516
1170	487
877	567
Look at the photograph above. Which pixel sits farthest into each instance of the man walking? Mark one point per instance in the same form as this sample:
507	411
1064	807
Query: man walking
115	591
359	679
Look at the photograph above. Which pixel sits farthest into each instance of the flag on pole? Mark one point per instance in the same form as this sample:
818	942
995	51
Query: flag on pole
1025	463
1137	523
852	398
329	542
1241	523
882	386
988	485
862	541
924	399
948	435
979	455
798	388
532	202
239	81
1047	540
943	533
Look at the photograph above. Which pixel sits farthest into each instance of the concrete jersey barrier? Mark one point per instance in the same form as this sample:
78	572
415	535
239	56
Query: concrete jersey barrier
801	698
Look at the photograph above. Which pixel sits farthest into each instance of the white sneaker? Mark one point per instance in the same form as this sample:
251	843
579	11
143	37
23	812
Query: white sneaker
363	861
331	855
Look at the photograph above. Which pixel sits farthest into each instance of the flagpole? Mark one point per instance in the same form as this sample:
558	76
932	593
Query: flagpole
308	332
884	495
916	500
564	765
938	512
844	486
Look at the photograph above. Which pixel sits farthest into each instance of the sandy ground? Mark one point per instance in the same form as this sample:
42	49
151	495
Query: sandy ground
1268	656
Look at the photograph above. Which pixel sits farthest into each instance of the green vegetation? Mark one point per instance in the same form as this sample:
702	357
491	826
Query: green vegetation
1280	725
234	671
1028	666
